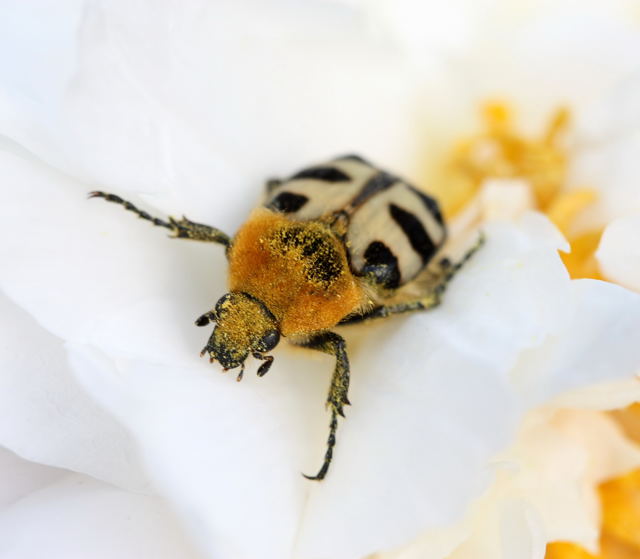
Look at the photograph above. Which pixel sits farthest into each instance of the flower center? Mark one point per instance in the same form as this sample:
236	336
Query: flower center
500	151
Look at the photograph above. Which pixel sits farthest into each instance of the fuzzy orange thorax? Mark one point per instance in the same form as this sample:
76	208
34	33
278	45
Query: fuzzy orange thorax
299	270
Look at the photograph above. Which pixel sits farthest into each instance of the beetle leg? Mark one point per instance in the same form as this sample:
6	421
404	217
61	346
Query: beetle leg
331	343
181	229
186	229
430	300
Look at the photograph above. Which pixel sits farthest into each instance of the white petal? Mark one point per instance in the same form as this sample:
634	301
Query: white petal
593	345
45	414
228	455
78	517
37	59
553	471
563	457
451	398
545	489
242	103
505	199
619	252
547	48
613	395
611	168
19	477
74	247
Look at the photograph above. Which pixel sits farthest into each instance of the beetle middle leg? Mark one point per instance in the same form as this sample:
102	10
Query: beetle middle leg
181	228
430	300
331	343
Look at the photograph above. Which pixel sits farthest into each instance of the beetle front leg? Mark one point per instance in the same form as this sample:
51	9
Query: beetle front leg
329	342
186	229
181	228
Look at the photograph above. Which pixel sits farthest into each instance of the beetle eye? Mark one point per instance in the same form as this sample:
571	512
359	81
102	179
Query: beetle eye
270	340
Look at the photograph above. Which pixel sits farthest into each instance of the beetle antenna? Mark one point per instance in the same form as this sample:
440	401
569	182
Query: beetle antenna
206	318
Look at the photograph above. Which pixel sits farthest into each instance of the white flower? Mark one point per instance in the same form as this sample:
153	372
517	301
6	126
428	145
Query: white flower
189	107
618	252
545	489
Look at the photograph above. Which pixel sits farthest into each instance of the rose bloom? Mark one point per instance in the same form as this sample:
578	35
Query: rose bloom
477	429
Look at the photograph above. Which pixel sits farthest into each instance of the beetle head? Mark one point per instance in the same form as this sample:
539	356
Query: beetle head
244	326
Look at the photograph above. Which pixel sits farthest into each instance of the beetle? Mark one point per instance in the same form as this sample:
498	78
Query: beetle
333	244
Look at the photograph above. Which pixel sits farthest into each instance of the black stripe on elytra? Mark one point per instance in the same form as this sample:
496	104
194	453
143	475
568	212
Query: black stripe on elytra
431	204
352	157
326	174
415	232
381	264
288	202
379	182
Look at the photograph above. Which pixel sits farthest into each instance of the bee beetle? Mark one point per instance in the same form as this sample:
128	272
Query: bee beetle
332	245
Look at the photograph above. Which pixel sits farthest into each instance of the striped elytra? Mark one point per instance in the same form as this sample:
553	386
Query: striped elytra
394	230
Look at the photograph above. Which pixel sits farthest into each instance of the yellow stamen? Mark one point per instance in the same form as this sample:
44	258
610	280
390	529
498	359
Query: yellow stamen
629	419
565	207
620	499
581	261
559	123
613	548
500	151
567	550
563	211
498	116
